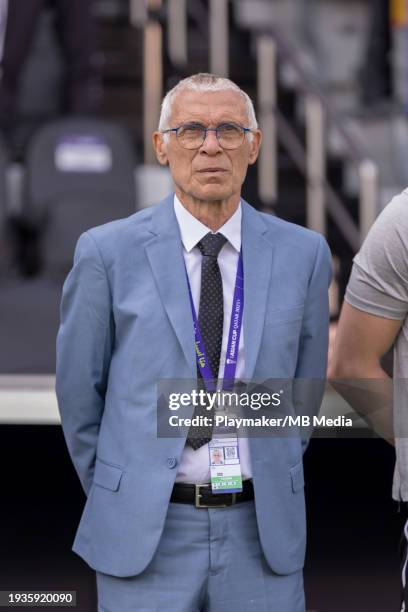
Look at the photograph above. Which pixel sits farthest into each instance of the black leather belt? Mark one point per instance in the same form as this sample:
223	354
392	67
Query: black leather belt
202	497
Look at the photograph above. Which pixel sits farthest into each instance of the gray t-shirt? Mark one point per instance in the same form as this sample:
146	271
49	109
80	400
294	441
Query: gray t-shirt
379	285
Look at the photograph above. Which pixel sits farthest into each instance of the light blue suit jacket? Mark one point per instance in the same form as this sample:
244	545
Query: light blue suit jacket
126	323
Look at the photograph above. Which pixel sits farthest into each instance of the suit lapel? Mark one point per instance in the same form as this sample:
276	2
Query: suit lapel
165	256
257	258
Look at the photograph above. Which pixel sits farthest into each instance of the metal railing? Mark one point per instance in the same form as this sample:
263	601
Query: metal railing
311	157
219	37
177	31
267	103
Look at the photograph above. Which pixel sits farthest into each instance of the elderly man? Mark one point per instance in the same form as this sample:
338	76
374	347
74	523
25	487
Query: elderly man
143	294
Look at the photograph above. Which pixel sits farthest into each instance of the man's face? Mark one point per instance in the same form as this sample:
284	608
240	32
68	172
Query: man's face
217	456
209	173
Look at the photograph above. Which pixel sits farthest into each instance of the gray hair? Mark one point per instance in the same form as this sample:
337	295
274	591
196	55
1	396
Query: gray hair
202	82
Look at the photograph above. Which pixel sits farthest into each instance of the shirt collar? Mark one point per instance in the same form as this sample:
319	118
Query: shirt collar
192	230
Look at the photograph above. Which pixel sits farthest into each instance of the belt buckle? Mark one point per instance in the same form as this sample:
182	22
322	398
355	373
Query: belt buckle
198	504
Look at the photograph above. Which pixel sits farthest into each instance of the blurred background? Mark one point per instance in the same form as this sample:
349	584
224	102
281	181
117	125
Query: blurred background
80	91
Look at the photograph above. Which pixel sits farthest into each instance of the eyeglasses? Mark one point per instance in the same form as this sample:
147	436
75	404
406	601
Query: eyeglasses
193	135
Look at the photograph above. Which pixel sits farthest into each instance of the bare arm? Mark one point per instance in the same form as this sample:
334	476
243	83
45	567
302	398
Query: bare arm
361	340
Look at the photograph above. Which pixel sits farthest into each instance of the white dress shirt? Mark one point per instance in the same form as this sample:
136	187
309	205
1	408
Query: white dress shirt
194	465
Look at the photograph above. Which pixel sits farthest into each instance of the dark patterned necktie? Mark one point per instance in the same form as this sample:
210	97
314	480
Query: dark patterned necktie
210	319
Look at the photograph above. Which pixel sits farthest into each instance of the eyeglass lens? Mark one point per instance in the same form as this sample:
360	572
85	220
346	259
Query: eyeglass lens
229	136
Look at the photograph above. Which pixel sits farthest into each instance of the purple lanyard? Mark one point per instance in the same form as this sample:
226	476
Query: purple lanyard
233	335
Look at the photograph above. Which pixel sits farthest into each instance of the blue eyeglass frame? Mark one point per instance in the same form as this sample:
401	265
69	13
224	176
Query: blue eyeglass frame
245	129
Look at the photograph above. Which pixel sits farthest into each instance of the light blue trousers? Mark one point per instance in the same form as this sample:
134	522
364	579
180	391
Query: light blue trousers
208	560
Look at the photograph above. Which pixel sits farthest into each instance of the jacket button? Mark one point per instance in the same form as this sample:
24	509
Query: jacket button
171	462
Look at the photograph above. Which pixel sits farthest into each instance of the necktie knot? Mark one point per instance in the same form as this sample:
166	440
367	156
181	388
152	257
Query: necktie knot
211	244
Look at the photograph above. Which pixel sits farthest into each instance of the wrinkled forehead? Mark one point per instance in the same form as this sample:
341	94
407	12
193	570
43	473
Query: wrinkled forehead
209	107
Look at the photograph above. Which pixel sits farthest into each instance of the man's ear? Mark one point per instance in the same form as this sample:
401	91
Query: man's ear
160	148
254	145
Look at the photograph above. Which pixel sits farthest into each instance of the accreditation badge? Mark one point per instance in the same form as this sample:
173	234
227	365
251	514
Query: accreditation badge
225	466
